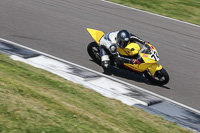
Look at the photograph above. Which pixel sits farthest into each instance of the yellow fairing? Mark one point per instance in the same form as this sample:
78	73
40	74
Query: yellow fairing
146	58
154	68
130	50
144	66
96	34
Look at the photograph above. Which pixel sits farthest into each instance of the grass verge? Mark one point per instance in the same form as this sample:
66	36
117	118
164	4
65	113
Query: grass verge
35	101
185	10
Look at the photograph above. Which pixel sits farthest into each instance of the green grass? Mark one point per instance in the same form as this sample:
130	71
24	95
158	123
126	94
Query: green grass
185	10
35	101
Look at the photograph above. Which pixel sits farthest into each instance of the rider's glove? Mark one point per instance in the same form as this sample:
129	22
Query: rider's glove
134	61
145	42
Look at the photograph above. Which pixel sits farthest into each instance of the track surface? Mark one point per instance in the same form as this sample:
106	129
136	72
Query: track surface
58	27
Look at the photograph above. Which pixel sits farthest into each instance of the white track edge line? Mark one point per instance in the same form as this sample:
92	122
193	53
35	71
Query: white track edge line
150	13
137	87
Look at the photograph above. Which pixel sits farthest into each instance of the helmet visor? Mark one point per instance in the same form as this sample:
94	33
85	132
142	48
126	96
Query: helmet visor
123	43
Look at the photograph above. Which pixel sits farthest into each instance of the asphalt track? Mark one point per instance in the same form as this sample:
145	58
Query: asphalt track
58	27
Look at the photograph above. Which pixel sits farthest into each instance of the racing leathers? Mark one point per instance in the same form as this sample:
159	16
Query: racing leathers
109	42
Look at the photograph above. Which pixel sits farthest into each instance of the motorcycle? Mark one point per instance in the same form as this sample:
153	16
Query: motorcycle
153	72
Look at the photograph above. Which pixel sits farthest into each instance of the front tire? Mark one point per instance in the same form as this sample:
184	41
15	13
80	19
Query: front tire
161	77
94	52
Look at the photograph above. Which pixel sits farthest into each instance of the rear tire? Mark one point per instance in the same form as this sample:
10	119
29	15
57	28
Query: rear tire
161	77
94	52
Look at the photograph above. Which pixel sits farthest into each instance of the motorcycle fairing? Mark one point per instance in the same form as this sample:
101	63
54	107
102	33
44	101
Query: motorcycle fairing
96	34
130	50
152	67
147	59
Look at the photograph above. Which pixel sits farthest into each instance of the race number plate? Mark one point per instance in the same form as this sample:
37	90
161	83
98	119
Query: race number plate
154	55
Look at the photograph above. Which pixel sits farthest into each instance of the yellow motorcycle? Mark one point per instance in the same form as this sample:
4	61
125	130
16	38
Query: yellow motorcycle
152	71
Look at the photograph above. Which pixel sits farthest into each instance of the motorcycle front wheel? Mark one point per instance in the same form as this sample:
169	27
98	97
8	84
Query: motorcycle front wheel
94	52
161	77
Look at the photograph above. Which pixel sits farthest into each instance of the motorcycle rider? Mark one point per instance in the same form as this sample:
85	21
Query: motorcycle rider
113	41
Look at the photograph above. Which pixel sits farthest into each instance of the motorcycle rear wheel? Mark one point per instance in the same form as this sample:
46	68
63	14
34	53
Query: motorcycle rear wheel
161	77
94	52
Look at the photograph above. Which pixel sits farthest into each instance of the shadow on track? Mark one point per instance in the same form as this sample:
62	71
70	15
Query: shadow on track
138	77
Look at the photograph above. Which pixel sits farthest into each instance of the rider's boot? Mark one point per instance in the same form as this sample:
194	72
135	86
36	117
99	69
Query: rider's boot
105	61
